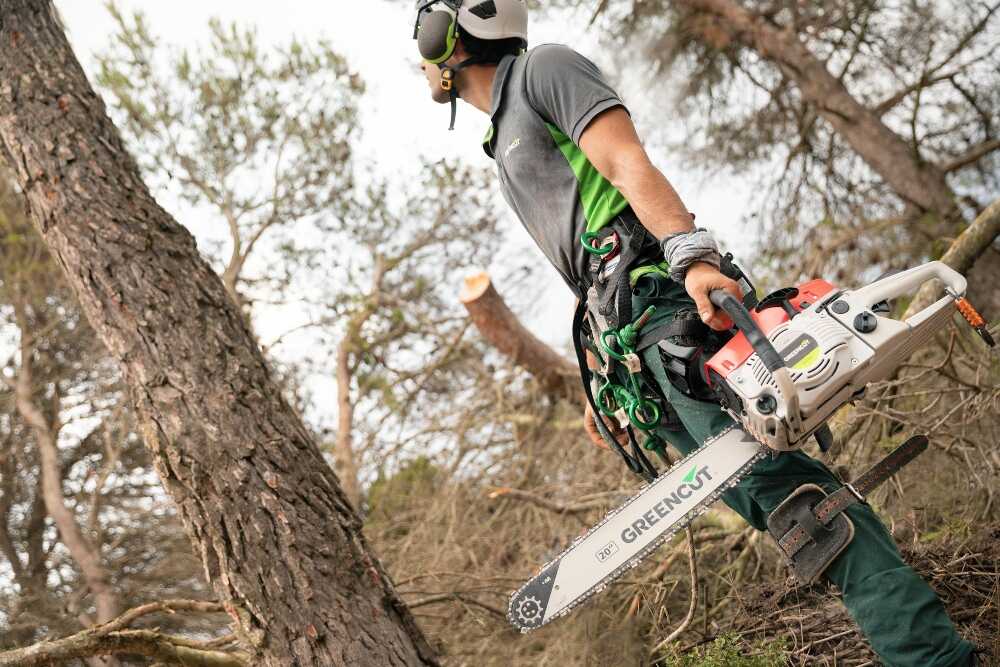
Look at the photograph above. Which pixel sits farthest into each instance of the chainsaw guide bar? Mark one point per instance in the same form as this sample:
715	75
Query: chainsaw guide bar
635	529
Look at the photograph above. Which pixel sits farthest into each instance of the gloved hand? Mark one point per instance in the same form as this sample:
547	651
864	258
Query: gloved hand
700	279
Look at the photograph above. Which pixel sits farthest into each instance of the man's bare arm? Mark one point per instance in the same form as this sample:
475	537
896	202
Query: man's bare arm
613	148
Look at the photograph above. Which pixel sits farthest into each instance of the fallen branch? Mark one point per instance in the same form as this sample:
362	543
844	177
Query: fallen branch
455	597
501	329
693	605
112	638
545	503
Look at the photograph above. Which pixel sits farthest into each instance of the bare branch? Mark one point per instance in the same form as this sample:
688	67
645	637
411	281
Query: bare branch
693	605
971	156
455	597
545	503
113	638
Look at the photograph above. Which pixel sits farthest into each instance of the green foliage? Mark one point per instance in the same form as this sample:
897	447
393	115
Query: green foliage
262	138
729	651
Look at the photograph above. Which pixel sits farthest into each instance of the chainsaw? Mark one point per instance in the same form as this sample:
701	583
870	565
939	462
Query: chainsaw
799	355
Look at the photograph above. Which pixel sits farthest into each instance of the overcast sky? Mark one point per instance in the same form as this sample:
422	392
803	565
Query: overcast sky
398	119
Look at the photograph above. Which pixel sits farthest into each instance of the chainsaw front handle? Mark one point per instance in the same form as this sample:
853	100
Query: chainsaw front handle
741	318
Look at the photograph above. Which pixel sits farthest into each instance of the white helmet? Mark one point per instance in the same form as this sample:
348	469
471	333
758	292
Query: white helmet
494	19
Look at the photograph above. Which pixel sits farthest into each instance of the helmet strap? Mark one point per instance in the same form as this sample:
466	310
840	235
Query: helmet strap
448	74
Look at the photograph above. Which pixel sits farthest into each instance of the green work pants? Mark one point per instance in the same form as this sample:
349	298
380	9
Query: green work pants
897	611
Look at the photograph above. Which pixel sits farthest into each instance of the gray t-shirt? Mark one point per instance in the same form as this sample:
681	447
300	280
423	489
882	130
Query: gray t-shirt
543	100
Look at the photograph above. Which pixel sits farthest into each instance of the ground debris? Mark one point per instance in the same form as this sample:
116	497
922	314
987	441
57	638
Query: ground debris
816	629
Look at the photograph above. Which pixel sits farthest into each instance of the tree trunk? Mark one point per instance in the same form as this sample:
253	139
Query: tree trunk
343	448
278	539
500	327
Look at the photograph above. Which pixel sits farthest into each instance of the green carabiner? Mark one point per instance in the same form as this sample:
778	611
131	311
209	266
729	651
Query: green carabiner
643	405
609	348
605	406
600	251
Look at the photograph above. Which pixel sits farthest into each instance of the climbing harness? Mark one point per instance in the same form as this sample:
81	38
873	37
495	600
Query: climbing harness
627	391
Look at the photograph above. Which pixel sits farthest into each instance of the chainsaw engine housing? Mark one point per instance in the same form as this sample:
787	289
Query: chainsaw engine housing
833	343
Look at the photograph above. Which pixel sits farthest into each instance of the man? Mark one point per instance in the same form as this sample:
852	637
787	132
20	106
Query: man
570	165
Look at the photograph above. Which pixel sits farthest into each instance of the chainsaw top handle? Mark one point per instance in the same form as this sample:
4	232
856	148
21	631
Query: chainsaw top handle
741	318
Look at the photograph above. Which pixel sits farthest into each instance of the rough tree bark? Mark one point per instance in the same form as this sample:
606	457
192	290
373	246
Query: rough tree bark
500	327
278	539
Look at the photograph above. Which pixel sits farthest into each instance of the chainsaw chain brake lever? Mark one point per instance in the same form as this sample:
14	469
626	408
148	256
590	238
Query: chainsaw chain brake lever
765	350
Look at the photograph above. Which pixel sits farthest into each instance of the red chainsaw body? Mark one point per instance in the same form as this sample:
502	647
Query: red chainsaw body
738	350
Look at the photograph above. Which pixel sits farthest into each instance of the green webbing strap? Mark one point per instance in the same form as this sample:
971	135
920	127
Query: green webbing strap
661	269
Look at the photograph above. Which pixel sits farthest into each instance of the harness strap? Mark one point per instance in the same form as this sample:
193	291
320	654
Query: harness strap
676	327
637	461
796	538
635	243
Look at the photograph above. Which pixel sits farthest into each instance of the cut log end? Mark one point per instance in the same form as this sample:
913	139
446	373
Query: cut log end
474	286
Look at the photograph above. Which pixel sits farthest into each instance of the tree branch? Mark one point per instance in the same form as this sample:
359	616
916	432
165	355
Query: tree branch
545	503
693	605
113	638
501	328
971	156
455	597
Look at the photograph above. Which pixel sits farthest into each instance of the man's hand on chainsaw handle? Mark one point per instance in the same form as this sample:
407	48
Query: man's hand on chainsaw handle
702	278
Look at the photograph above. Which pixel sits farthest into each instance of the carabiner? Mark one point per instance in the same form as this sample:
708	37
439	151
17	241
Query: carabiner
609	348
601	250
642	405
